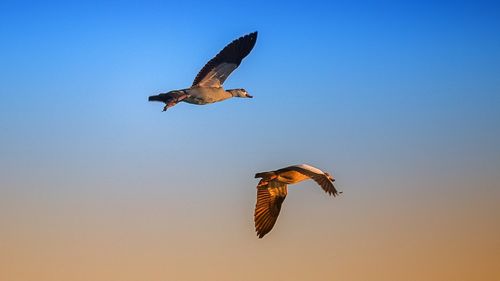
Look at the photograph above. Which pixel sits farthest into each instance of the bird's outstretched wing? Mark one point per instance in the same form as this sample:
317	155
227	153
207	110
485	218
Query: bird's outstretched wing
215	72
270	196
318	176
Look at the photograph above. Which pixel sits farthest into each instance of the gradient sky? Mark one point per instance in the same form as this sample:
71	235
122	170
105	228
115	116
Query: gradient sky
399	100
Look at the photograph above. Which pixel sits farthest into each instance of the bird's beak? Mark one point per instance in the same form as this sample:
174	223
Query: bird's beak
249	96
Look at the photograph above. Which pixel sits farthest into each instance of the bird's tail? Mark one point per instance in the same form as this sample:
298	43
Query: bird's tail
264	175
160	97
177	95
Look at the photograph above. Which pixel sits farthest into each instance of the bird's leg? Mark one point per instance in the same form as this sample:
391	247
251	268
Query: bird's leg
174	102
181	97
168	105
262	183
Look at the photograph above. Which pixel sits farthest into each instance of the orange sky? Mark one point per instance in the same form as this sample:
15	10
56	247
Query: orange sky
378	235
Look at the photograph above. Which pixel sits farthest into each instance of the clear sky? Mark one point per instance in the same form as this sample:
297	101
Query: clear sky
399	100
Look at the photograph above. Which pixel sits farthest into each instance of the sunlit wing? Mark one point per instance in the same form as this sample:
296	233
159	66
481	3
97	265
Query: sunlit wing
270	196
216	71
319	177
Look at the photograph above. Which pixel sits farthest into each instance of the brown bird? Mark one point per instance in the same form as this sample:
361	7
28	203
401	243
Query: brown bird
207	86
272	190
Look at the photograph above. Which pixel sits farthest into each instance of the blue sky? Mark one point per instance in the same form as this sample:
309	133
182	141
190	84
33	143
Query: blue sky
80	73
399	99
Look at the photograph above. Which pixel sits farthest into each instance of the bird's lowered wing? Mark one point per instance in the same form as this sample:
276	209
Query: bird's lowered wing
319	177
215	72
270	196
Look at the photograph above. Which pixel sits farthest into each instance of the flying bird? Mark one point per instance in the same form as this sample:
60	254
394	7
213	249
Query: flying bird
207	86
272	190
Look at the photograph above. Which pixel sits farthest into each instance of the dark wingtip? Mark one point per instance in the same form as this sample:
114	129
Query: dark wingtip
252	35
336	193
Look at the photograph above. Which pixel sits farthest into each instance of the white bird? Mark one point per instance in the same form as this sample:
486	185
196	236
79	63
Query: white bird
207	86
272	190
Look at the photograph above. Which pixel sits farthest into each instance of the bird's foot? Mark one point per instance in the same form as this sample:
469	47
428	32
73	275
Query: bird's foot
174	102
169	105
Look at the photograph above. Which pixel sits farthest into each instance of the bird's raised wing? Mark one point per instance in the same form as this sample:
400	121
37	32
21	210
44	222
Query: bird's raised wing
318	176
215	72
270	196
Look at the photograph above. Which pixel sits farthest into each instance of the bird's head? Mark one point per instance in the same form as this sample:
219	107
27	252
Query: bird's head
240	93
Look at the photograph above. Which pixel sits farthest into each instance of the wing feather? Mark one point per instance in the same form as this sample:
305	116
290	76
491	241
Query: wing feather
270	196
215	72
319	177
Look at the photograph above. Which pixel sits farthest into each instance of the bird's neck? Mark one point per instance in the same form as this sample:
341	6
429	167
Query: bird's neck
234	92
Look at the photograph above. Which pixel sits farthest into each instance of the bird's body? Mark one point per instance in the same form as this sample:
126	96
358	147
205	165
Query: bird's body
207	86
272	190
206	95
